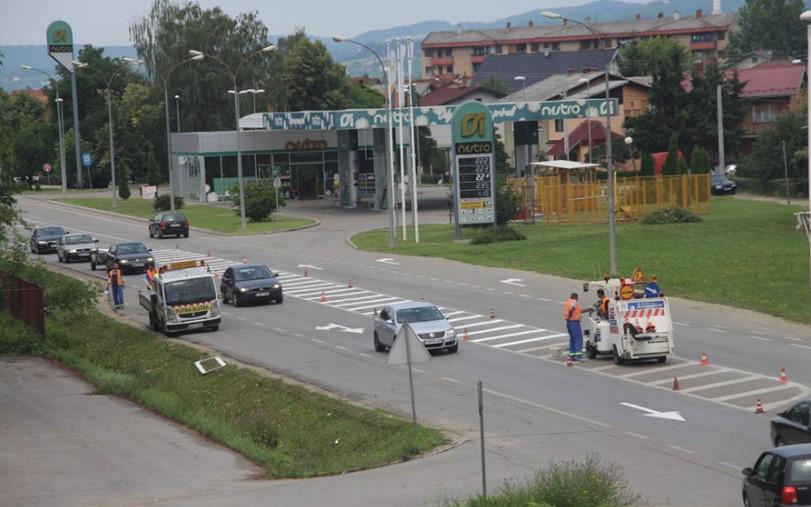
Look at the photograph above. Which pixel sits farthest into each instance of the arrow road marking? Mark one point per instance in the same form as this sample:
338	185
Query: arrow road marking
670	416
387	260
514	281
339	327
310	266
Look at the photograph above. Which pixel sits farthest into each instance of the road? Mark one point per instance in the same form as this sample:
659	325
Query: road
537	410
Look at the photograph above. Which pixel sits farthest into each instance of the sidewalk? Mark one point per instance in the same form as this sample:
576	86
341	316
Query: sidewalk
778	200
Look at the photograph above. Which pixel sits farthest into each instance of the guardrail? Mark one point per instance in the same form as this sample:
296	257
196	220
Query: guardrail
24	301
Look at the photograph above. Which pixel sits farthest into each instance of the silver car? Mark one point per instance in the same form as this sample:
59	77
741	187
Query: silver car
75	247
425	319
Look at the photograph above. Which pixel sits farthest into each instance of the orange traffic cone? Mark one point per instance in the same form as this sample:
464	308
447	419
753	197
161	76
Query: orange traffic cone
569	361
676	386
758	406
704	360
306	274
323	297
466	336
349	285
783	376
492	313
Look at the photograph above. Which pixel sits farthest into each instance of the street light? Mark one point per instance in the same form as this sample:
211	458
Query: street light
629	141
256	92
177	111
59	120
587	82
234	73
389	135
523	80
806	16
612	237
125	63
77	136
195	56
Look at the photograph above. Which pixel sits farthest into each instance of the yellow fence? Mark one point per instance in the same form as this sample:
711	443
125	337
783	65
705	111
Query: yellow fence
554	200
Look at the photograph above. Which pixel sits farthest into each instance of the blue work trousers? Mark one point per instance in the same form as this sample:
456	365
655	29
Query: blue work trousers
118	295
575	338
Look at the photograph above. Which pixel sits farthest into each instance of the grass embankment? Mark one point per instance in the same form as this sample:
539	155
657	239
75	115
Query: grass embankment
744	253
215	218
288	429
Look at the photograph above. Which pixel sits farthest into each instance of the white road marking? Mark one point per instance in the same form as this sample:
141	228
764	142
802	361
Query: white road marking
318	288
450	379
530	340
307	283
451	314
364	354
716	330
359	297
533	349
792	338
680	323
546	300
362	300
547	408
517	333
482	323
730	465
760	338
279	330
491	330
395	300
636	435
722	384
388	261
682	449
316	340
751	393
514	281
464	318
260	324
800	346
342	348
711	371
310	266
657	370
336	291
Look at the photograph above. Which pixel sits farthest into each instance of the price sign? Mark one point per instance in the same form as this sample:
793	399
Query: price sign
474	164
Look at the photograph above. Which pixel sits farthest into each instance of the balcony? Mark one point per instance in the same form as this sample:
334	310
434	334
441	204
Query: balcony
707	45
442	60
477	58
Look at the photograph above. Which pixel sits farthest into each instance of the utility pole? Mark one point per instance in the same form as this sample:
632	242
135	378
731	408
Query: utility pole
721	162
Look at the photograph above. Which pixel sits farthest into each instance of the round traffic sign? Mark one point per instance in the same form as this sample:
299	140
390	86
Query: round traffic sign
627	291
277	182
46	167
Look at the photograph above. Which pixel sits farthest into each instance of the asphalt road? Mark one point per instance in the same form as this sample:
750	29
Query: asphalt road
537	410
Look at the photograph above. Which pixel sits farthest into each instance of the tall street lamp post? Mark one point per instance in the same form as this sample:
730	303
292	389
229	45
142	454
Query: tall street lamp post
612	236
588	110
806	16
234	73
177	112
523	80
77	138
389	143
59	120
126	62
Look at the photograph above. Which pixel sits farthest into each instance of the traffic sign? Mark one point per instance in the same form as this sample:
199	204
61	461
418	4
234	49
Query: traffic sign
47	167
86	159
277	182
627	291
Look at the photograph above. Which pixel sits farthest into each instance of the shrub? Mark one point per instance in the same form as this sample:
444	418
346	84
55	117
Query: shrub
123	185
260	200
700	160
507	204
648	166
681	166
153	171
162	202
671	216
670	167
497	234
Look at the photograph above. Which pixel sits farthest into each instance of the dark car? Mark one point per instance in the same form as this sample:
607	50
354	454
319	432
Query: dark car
169	224
245	283
45	238
131	256
791	426
721	185
781	476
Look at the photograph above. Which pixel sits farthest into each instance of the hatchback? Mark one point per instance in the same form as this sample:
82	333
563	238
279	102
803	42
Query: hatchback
252	283
169	224
433	329
780	477
791	426
46	238
720	185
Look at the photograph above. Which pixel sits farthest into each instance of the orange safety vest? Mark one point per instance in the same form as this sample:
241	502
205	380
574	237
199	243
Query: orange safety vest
571	310
115	278
604	305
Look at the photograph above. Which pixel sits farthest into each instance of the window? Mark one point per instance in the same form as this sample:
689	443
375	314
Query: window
428	52
499	50
798	414
384	314
476	67
763	465
720	35
429	70
535	47
450	69
555	46
479	51
521	48
608	43
801	469
448	52
764	113
558	125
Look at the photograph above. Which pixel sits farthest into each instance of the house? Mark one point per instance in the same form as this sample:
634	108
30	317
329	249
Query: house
449	95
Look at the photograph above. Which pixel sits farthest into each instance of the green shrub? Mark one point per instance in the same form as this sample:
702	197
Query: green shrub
681	166
153	170
700	161
497	234
507	202
648	165
162	202
671	216
123	185
670	168
260	200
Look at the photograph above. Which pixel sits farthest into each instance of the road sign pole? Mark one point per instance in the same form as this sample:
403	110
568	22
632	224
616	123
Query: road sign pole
410	380
481	433
77	141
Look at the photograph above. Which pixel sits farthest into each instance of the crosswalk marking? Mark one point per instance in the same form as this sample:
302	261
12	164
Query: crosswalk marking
359	300
464	318
722	384
529	340
517	333
372	306
451	314
500	328
483	323
713	371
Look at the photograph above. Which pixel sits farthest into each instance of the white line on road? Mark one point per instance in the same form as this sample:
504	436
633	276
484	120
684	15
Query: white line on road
451	314
364	354
682	449
279	330
482	323
751	393
342	348
722	384
730	465
712	371
760	338
316	340
510	335
450	379
657	370
716	330
491	330
356	308
792	338
530	340
548	409
800	346
464	318
636	435
377	298
260	324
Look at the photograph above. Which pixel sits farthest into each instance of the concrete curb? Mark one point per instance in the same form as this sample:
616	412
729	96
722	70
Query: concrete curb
351	243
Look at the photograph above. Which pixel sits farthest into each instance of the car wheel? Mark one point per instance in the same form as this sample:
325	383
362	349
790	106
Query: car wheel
454	349
237	301
379	347
150	233
215	327
778	441
618	360
661	360
746	501
591	351
224	295
186	235
279	300
59	257
92	264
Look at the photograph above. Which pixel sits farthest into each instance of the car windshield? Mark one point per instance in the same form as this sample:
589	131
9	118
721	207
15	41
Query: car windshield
252	273
51	231
420	314
131	248
194	290
174	218
801	469
717	178
78	239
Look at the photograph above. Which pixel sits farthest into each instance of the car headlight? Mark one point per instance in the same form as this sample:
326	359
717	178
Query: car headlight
719	187
42	242
150	259
214	310
73	250
277	286
123	261
450	333
243	289
171	313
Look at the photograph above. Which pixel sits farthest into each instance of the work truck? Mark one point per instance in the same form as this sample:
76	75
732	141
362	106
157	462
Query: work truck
182	296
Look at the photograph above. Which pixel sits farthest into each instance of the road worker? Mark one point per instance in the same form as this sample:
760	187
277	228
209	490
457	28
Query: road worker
571	314
115	281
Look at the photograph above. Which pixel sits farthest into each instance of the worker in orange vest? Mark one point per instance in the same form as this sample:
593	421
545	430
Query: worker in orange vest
115	281
571	314
602	304
150	277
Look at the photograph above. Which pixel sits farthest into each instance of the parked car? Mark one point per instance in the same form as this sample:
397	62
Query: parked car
791	426
246	283
75	246
721	185
130	256
169	224
433	329
781	476
45	238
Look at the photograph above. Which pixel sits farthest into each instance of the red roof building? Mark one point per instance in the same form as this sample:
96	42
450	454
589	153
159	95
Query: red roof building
579	141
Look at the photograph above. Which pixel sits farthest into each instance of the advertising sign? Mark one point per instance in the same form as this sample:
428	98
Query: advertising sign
474	165
86	159
59	37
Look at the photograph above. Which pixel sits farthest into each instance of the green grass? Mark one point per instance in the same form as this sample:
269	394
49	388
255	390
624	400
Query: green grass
744	253
215	218
290	430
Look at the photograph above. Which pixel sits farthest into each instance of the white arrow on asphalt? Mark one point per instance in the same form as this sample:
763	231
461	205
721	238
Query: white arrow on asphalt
670	416
310	266
514	281
339	327
388	261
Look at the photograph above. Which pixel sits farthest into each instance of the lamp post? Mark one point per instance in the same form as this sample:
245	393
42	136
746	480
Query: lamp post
523	80
806	16
612	236
166	76
389	141
234	73
59	121
629	141
126	62
177	111
255	92
77	138
587	82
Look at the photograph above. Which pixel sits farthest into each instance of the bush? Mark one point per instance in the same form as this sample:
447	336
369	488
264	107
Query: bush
648	165
162	202
153	171
681	166
507	204
497	234
671	216
700	161
260	200
123	185
670	168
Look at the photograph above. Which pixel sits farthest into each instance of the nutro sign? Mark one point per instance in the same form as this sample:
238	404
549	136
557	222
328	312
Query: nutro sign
60	43
474	161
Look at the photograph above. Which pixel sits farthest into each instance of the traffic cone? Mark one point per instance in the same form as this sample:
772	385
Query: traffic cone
323	297
569	362
783	376
704	360
244	260
676	386
349	285
758	406
306	275
466	336
492	313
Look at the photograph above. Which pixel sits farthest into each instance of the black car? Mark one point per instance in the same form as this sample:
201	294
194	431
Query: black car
169	224
245	283
721	185
45	238
131	256
791	426
781	476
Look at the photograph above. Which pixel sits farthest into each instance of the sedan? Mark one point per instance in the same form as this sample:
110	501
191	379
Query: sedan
433	329
169	224
791	426
45	238
246	283
130	256
781	476
721	185
75	246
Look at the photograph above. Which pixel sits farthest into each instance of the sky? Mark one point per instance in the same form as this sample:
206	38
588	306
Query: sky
106	22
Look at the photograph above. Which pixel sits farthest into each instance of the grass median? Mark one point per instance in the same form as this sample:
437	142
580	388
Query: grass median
290	430
744	253
212	217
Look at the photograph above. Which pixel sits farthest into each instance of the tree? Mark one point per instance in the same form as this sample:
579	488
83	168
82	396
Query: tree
260	200
312	80
619	152
771	25
123	184
9	214
766	161
644	57
671	162
363	97
647	166
700	160
153	171
681	165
